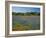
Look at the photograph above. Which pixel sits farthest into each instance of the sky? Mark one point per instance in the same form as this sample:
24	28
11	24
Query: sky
25	9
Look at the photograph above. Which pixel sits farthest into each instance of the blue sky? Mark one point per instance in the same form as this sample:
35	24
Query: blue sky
25	9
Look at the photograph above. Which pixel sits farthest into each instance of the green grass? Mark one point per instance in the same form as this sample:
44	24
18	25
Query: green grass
21	27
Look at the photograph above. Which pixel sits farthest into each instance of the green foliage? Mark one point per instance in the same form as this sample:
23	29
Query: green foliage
38	13
25	14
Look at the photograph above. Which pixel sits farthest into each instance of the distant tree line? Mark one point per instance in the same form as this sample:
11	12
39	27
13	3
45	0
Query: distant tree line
27	13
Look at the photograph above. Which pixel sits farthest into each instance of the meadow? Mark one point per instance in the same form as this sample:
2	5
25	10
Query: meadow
25	21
